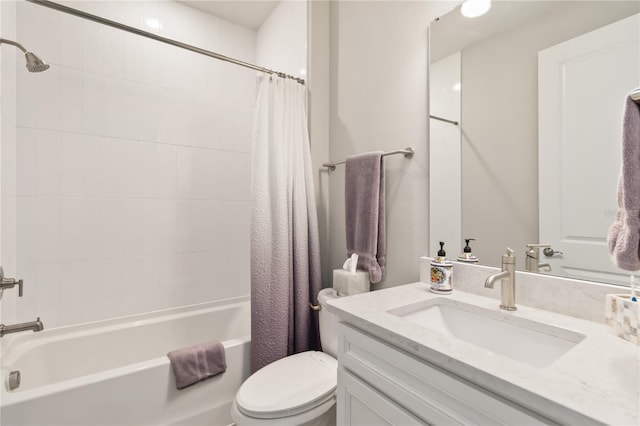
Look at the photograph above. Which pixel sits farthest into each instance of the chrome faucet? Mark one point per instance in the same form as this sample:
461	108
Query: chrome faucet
533	255
508	278
24	326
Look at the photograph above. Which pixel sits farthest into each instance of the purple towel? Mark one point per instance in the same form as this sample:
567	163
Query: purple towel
190	365
365	212
624	234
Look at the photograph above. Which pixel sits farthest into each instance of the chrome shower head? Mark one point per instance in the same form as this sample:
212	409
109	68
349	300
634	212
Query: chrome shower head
34	63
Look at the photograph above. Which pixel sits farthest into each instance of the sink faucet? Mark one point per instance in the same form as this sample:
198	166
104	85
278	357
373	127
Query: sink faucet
508	278
533	255
24	326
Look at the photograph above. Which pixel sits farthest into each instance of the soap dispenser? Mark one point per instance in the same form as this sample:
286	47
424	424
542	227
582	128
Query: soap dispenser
467	255
441	273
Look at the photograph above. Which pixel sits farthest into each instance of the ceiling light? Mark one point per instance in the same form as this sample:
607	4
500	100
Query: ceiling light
475	8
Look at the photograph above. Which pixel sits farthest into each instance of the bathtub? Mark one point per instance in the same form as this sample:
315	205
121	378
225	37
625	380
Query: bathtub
116	372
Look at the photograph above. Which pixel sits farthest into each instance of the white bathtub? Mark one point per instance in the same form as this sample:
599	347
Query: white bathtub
116	372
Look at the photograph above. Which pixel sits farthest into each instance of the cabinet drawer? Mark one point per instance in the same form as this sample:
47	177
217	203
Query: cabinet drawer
427	391
361	405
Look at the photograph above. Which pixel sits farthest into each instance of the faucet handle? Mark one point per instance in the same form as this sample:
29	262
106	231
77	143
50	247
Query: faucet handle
10	282
538	245
508	257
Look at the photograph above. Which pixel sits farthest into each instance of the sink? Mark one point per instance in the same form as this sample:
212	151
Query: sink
535	343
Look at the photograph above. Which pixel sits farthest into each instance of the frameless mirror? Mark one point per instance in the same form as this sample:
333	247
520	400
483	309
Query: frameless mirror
533	95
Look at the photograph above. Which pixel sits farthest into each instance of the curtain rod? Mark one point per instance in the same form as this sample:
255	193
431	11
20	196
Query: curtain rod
114	24
635	95
407	152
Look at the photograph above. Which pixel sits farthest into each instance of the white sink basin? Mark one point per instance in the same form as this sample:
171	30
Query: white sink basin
528	341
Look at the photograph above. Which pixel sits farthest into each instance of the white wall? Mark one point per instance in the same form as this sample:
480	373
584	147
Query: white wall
379	102
132	164
282	39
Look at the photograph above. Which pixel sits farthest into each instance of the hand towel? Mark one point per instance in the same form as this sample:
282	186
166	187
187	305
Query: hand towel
365	212
192	364
624	234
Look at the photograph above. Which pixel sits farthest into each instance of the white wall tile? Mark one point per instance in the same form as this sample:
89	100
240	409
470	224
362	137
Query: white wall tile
71	99
113	51
26	305
8	136
183	172
71	164
47	31
113	107
185	229
48	295
25	229
107	289
174	126
26	101
77	290
47	164
25	161
159	226
233	170
175	68
8	226
92	101
103	228
92	47
133	230
101	167
72	243
132	175
26	24
71	41
46	235
47	101
152	114
158	170
139	279
132	104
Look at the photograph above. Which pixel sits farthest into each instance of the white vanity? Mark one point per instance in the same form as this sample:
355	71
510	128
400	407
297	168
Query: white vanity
408	356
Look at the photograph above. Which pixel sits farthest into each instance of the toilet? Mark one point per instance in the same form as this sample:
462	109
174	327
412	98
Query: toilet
296	390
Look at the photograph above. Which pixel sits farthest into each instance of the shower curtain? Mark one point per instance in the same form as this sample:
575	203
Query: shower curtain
285	254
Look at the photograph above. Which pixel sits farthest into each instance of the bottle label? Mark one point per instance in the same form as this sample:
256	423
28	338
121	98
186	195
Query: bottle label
441	277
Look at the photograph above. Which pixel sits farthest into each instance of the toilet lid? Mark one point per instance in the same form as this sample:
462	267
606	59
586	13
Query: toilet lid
289	386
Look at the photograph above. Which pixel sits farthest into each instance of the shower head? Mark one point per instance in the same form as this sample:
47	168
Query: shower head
34	63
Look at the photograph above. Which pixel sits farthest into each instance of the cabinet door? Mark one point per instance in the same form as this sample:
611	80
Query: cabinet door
361	405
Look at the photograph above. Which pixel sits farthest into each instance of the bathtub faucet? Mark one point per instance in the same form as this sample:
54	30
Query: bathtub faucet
24	326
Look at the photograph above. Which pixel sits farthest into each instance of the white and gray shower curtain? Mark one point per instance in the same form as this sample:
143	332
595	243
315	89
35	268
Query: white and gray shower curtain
285	254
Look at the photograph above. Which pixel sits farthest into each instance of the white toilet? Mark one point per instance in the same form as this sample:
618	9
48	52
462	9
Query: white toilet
296	390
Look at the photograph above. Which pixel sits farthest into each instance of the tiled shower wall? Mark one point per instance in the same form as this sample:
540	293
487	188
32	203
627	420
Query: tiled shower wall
132	163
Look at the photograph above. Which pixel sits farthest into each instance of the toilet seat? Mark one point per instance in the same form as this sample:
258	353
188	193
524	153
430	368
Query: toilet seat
289	386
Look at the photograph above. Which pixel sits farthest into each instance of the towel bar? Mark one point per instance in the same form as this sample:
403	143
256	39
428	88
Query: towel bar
407	152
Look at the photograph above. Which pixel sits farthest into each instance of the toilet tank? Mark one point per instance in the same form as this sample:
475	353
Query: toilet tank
328	323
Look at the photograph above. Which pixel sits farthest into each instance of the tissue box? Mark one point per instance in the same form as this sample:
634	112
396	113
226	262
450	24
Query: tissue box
347	283
623	317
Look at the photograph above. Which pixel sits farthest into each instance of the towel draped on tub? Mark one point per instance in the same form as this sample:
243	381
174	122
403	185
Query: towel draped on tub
195	363
365	212
624	233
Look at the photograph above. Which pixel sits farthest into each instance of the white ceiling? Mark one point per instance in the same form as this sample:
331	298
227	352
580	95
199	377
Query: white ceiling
248	13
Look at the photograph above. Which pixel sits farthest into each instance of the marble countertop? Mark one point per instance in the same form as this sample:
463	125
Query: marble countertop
597	381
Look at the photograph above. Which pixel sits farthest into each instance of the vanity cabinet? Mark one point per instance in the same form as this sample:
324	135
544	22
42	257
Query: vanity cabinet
380	384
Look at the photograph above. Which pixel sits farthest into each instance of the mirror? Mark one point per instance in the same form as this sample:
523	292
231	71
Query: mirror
537	89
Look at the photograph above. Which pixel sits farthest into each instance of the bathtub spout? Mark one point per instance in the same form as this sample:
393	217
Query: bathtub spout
24	326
